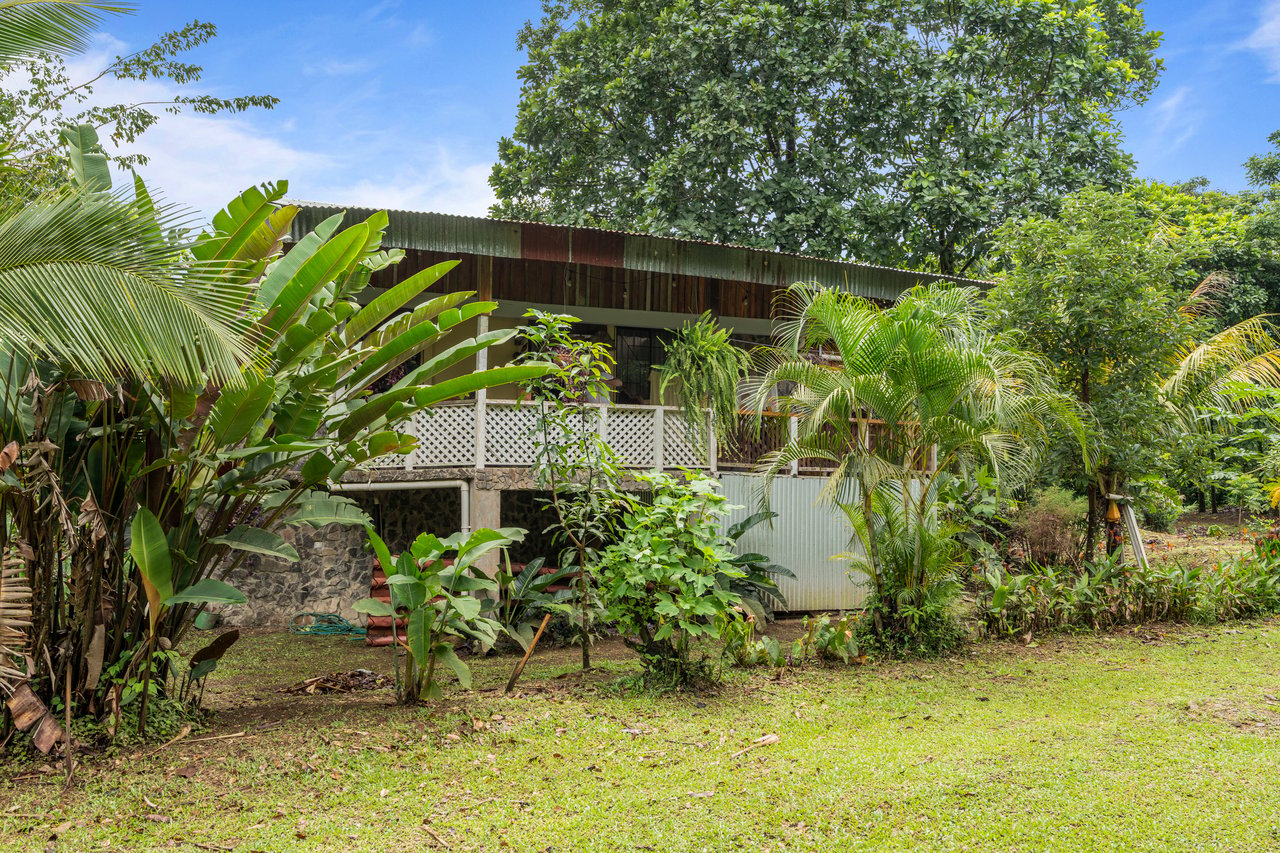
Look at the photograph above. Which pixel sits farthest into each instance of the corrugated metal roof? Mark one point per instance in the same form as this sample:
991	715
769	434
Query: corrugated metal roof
503	238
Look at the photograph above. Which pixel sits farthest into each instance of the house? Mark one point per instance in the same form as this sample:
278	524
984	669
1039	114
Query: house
472	464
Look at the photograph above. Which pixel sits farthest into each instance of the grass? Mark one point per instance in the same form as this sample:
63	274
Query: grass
1162	739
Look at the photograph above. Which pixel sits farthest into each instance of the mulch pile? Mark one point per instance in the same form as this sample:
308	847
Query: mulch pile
340	682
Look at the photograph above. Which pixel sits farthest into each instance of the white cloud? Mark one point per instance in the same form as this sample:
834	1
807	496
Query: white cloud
203	161
1176	118
434	180
1265	39
337	68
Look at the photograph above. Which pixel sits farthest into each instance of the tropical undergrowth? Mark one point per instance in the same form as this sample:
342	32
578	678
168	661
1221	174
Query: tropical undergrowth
1104	594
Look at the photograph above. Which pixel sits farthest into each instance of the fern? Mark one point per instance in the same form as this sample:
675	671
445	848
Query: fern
707	369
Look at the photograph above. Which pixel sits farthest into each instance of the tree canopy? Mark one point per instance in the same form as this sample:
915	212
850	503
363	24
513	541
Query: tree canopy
891	131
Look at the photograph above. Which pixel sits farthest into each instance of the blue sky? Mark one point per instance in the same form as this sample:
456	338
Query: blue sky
400	103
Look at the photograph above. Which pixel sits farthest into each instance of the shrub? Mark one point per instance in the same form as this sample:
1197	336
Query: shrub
926	626
431	586
1049	526
822	639
662	583
912	561
757	587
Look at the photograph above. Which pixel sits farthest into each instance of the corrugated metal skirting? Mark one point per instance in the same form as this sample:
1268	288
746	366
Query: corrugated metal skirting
804	537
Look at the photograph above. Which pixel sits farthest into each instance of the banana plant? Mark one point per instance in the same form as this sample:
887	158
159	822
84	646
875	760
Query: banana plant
524	596
146	490
434	586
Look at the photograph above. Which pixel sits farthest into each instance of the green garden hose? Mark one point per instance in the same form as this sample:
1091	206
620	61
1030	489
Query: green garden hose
326	625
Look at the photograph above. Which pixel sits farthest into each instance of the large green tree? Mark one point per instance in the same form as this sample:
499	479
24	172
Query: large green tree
896	131
1099	291
1232	237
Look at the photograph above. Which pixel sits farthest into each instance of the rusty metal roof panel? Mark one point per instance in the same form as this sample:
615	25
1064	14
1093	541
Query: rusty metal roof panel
442	232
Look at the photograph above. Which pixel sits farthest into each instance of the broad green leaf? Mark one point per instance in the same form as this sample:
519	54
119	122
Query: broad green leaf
239	409
447	656
468	608
418	633
257	541
380	549
455	354
266	240
373	607
319	509
392	300
89	168
236	224
150	551
283	271
320	269
207	591
377	408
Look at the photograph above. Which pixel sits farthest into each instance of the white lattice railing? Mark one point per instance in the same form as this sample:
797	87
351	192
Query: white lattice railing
500	433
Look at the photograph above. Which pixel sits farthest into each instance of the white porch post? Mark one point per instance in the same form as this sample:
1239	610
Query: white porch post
482	396
657	437
793	430
712	450
602	423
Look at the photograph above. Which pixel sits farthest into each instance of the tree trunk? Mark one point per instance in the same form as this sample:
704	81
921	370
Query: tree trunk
1091	523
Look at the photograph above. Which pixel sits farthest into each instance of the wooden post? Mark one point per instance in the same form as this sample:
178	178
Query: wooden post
515	676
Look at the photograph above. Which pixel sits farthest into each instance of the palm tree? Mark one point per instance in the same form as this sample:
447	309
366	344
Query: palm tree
897	401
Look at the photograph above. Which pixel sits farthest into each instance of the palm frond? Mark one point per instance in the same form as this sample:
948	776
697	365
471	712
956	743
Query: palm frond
30	27
1247	353
92	282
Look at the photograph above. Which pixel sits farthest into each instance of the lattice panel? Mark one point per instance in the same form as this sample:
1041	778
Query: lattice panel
677	450
446	437
509	435
631	433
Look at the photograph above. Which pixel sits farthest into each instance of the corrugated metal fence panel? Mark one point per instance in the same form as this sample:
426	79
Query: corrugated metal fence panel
804	537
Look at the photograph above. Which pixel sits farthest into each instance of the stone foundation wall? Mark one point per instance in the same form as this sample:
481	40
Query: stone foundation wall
335	567
333	573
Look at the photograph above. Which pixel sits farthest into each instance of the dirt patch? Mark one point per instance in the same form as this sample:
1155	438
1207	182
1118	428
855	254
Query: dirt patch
340	682
1260	717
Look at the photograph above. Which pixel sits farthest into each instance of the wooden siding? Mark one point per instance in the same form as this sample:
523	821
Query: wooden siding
549	282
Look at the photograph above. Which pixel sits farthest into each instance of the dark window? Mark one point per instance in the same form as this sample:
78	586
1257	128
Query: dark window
638	351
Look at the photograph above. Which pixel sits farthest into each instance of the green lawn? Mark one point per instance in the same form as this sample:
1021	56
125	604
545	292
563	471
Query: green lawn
1141	741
